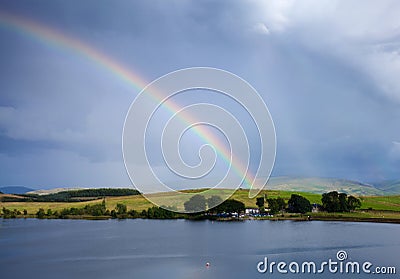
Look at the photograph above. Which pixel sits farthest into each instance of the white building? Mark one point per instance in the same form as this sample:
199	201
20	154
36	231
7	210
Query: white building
252	211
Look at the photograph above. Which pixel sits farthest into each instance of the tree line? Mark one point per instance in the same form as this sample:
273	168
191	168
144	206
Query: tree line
73	195
331	202
213	205
339	202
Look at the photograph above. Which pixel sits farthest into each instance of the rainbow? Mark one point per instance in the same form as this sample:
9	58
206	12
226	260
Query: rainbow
54	38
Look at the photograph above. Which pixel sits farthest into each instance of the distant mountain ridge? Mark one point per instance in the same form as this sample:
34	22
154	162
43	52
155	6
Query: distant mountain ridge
15	189
315	185
53	191
389	186
320	185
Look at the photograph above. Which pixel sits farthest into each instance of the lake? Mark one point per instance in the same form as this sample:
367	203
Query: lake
32	248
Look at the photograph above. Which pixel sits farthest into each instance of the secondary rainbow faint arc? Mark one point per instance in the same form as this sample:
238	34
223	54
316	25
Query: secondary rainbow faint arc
53	37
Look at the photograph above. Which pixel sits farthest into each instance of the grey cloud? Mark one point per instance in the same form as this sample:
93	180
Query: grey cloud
327	70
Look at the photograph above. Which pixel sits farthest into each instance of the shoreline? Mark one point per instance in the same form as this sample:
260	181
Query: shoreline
229	219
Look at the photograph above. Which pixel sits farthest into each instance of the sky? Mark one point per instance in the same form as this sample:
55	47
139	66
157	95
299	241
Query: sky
327	70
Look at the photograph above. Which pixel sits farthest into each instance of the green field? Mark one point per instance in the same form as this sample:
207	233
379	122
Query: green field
381	202
139	203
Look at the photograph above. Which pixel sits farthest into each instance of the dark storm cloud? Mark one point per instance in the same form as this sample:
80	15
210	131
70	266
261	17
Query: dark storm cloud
327	73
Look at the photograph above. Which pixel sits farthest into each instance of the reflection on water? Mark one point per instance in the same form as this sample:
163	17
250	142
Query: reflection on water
181	249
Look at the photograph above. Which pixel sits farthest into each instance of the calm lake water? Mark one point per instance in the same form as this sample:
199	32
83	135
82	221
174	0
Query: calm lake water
180	249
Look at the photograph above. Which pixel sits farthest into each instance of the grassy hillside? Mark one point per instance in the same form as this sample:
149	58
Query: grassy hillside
322	185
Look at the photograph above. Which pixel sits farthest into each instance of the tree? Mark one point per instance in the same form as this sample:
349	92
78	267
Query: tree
281	203
353	203
276	205
213	201
143	214
339	202
197	203
343	202
273	206
94	210
103	204
159	213
120	208
64	213
133	213
299	204
113	214
330	201
40	214
7	213
260	202
230	206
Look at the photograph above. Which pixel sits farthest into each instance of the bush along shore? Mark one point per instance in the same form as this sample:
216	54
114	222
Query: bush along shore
99	211
93	212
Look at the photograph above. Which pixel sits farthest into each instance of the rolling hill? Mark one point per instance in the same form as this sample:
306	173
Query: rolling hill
322	185
315	185
391	187
15	189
